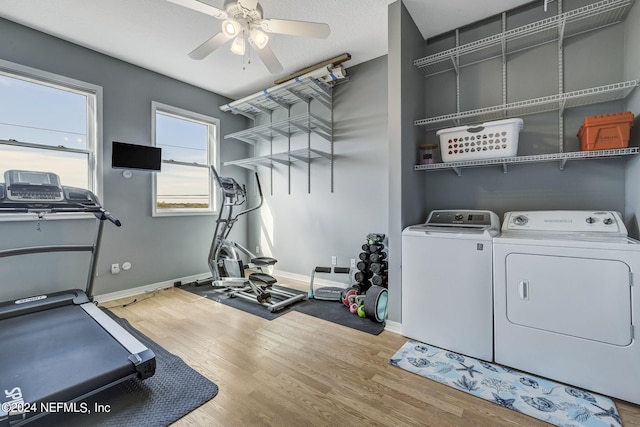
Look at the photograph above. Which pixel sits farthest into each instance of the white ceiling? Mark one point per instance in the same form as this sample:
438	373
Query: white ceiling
158	35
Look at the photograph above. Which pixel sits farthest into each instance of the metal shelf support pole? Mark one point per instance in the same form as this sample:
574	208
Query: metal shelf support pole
561	81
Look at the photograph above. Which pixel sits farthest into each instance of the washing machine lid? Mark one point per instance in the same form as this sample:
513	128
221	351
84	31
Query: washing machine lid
466	221
564	224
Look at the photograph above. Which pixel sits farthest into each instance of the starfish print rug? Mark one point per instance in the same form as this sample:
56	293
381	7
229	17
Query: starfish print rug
555	403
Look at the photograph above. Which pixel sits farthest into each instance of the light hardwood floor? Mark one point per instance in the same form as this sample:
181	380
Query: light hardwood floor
298	370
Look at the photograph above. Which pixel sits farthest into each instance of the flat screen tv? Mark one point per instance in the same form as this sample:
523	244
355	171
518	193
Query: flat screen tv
133	156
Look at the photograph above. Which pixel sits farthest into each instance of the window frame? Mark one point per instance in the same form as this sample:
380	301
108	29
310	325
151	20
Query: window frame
213	156
94	149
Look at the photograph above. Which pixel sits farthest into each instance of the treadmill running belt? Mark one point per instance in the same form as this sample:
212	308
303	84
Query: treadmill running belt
58	355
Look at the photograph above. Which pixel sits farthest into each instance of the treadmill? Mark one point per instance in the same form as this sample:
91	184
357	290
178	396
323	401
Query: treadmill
59	348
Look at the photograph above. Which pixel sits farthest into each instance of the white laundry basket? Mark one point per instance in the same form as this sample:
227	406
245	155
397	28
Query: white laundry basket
490	140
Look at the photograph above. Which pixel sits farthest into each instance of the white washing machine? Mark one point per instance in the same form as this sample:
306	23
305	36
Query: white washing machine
447	283
564	299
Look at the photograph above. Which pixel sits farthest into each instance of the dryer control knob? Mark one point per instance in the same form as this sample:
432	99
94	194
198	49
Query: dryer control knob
607	221
590	220
520	220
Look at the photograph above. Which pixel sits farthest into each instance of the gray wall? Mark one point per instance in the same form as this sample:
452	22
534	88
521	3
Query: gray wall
406	196
305	229
159	249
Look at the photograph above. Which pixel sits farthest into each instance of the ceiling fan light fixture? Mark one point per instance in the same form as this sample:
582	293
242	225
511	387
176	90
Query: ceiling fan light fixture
237	46
230	27
259	38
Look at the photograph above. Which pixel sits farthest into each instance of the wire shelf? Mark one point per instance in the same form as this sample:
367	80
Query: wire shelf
562	157
281	96
576	98
591	17
300	123
315	89
305	155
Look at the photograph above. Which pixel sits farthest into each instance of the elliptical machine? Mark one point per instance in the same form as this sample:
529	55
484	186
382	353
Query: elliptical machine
226	256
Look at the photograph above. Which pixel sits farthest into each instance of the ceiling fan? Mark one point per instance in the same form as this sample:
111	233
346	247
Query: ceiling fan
243	23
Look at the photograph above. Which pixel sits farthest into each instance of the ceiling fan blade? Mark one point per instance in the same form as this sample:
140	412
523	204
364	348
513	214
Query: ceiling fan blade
296	28
202	7
209	46
248	4
268	58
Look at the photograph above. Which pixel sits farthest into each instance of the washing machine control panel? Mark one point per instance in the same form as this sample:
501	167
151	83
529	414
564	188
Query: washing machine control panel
463	218
586	222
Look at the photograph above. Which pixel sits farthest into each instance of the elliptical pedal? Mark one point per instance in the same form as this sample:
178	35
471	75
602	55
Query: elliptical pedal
262	278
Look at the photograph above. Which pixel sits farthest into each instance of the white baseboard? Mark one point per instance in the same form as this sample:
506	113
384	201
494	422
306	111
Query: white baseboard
394	327
126	293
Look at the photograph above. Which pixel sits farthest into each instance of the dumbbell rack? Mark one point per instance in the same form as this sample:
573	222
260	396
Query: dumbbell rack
372	266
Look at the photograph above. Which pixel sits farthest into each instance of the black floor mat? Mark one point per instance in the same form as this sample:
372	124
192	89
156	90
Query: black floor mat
175	390
332	311
337	312
251	307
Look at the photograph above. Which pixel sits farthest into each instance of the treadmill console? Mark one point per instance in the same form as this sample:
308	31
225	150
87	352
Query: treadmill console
31	186
25	191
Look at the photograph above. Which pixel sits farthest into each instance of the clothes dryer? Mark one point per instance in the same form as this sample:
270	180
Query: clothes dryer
564	302
447	281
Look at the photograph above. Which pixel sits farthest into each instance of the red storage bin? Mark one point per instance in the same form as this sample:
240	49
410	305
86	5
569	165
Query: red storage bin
606	131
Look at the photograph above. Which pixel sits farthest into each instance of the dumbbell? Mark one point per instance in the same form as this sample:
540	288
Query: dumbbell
377	257
362	276
378	267
380	280
353	290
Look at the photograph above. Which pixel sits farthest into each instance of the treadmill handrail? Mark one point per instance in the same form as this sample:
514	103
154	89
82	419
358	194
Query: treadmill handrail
76	200
97	211
43	249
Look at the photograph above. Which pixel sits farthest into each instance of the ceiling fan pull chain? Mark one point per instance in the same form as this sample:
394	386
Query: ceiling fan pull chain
246	51
248	56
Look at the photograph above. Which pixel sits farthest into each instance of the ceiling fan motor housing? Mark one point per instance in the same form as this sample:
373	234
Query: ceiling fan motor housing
236	11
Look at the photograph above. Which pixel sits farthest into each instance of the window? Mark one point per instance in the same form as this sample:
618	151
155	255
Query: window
189	143
49	123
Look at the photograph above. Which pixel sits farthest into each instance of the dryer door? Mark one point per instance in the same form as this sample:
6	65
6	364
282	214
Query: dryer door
580	297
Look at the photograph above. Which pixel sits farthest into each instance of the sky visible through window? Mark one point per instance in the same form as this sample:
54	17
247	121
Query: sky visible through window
186	141
40	114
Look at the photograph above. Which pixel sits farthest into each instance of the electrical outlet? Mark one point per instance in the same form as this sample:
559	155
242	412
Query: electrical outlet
115	268
334	260
353	263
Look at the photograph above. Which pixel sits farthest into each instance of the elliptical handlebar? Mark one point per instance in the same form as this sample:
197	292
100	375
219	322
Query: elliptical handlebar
259	186
246	211
231	189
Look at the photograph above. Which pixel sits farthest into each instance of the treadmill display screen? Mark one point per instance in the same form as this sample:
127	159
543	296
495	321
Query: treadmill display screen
34	178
